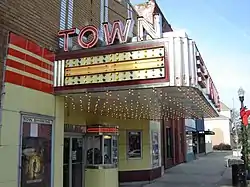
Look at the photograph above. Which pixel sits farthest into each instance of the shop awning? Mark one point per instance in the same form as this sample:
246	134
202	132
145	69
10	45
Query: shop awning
208	132
190	129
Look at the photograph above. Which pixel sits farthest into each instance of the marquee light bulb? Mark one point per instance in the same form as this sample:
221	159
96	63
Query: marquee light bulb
148	107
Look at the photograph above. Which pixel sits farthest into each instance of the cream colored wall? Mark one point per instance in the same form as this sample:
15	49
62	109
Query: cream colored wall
17	99
209	147
58	141
74	117
101	177
221	127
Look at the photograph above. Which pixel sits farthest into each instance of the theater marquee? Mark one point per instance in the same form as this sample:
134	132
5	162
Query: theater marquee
167	62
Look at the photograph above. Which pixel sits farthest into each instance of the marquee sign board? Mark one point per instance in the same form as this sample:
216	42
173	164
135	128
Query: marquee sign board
125	66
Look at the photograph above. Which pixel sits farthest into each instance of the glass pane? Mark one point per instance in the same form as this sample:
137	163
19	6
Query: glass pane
189	141
66	151
169	143
155	148
94	151
107	149
77	175
66	176
115	150
134	144
77	160
36	155
77	150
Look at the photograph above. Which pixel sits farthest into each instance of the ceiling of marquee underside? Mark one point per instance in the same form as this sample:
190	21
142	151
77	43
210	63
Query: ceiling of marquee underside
153	103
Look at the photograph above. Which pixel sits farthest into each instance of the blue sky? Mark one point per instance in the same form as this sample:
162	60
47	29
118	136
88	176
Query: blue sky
221	29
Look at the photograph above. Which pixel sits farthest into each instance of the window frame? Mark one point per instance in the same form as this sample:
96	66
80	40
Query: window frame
169	142
127	143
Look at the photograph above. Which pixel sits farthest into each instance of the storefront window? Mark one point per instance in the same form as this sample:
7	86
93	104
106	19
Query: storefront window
101	150
169	143
155	149
115	150
134	139
107	149
189	142
94	152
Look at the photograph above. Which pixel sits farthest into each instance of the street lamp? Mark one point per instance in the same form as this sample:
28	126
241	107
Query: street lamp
244	135
241	93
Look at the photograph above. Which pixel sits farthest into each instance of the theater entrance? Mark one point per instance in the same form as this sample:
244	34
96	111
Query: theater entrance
73	164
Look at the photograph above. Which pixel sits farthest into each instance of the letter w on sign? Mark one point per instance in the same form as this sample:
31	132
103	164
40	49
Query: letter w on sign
117	30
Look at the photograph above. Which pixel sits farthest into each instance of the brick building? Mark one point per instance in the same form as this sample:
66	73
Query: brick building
44	140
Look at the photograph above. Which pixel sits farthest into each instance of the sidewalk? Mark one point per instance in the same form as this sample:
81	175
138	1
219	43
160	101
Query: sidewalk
207	171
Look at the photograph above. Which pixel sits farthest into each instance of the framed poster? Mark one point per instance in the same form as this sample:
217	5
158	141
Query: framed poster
189	143
36	151
155	149
134	148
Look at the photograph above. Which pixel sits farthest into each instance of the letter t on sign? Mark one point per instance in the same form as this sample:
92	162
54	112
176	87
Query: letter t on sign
65	34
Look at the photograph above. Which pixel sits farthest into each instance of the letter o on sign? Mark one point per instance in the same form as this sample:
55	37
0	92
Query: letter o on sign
93	40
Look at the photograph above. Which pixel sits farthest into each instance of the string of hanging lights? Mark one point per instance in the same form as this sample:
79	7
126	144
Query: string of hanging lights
155	103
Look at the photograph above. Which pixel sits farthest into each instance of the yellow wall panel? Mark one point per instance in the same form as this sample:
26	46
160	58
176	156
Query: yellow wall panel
101	177
58	142
17	99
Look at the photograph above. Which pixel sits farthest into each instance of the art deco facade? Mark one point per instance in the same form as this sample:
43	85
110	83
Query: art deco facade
99	116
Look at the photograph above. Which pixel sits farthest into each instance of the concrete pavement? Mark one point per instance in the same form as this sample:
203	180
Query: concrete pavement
207	171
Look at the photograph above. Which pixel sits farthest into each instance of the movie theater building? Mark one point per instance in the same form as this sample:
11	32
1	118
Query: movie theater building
103	114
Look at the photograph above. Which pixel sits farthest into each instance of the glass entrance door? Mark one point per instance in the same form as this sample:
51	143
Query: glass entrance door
73	162
66	156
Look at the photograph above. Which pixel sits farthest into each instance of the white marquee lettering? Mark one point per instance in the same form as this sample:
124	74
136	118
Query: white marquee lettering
154	31
117	30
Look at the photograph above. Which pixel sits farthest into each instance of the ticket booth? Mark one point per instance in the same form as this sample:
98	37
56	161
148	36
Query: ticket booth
101	168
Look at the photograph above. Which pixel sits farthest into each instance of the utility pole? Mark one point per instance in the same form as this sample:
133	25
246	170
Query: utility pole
235	125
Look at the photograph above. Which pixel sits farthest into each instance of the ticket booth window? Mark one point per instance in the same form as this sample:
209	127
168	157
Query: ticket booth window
101	147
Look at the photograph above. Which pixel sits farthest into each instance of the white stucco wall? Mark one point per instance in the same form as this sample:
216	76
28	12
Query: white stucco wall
209	147
226	113
221	127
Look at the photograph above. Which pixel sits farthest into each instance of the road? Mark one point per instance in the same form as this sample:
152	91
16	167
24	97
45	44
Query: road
207	171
